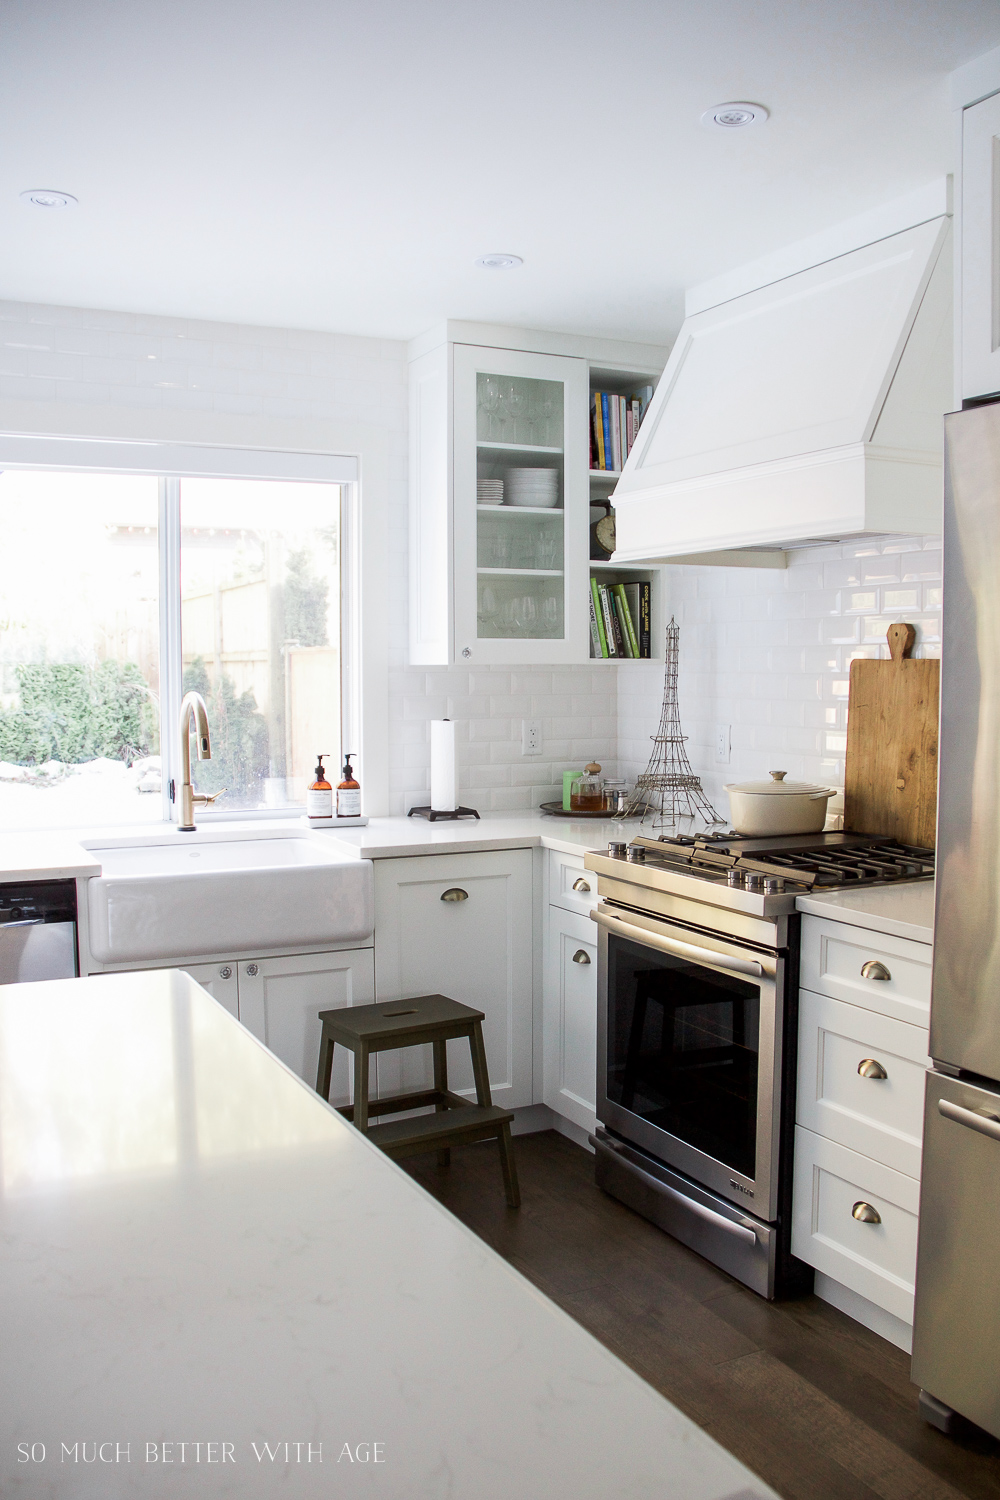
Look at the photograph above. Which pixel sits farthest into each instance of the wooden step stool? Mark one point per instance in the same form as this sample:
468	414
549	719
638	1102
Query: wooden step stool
364	1029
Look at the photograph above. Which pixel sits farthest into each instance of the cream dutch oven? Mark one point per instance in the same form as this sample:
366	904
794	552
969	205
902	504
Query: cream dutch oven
762	808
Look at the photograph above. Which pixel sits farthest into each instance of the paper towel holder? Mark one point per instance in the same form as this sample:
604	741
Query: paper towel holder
433	815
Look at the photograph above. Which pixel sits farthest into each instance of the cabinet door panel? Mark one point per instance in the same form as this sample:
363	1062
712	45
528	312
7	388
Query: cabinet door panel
220	980
570	1017
521	571
475	949
280	999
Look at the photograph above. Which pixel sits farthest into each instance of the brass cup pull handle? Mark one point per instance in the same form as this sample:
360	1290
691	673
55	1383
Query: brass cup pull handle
581	885
865	1214
874	970
454	893
581	956
869	1068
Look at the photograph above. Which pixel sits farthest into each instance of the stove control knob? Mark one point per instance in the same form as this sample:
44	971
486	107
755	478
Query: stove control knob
735	879
618	851
755	882
636	852
774	885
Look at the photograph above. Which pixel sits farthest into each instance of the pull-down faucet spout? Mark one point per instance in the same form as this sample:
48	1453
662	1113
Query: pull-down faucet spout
193	708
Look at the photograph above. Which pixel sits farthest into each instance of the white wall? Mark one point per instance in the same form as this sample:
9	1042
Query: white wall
769	652
66	370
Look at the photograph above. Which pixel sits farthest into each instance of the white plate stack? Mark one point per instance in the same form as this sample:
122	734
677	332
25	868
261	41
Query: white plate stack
489	491
535	487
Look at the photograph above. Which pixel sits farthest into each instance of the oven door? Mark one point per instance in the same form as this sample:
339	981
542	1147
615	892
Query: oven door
689	1051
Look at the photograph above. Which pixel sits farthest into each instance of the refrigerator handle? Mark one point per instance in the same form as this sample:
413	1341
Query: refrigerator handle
986	1124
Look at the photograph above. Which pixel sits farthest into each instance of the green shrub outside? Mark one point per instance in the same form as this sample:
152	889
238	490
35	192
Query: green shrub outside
72	713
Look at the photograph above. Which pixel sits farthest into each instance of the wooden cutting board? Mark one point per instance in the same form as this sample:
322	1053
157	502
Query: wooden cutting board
890	785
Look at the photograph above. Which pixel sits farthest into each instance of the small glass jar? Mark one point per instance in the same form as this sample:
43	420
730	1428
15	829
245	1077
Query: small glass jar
586	794
615	796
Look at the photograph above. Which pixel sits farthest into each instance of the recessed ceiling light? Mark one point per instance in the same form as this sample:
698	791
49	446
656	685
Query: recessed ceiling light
48	198
734	115
499	260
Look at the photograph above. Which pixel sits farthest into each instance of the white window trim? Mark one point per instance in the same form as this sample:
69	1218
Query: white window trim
364	714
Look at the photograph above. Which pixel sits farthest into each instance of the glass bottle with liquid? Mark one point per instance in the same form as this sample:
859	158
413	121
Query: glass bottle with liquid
319	797
349	792
586	793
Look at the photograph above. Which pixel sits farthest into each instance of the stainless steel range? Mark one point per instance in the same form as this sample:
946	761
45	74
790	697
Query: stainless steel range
697	983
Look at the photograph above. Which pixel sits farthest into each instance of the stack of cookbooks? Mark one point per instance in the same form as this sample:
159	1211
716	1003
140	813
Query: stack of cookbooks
619	620
614	425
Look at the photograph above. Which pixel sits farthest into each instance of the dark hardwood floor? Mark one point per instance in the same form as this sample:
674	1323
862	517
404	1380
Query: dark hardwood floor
812	1402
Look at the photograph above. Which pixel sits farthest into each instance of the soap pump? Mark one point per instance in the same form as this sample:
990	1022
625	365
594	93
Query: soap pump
349	791
319	797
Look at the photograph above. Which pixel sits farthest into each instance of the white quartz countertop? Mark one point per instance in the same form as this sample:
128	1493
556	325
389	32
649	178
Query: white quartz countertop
200	1258
905	910
44	856
48	856
387	838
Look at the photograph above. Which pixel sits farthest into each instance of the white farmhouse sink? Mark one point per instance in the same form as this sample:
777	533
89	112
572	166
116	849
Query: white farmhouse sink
180	900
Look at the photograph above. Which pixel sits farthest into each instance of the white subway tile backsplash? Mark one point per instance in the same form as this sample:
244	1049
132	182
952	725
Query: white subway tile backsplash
788	696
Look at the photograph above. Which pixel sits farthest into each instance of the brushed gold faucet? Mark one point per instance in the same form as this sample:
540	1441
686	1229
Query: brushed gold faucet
193	708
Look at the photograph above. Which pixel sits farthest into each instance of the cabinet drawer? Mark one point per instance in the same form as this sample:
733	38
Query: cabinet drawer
876	1260
880	1117
565	872
834	954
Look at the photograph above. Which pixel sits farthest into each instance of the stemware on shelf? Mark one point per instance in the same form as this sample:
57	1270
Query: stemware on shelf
489	400
516	405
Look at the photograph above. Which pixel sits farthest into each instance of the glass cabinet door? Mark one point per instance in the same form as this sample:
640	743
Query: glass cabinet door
521	506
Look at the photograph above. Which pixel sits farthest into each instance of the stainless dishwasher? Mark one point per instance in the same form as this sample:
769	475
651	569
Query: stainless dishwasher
38	931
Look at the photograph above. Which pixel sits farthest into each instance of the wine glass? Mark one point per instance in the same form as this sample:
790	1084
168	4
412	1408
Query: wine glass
550	613
490	400
487	604
548	413
526	614
516	405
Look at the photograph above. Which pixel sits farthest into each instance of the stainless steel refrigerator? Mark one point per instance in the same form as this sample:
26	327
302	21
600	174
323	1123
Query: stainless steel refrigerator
956	1335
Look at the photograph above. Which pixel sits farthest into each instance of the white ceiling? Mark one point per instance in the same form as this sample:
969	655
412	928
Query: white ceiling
339	165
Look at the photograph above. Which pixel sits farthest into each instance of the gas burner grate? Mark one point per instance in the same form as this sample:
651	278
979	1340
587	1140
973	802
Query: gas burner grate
866	864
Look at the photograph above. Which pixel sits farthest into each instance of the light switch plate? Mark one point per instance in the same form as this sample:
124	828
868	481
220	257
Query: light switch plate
722	744
531	736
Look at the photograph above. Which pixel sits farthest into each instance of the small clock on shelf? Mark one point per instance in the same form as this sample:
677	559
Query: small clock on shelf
602	531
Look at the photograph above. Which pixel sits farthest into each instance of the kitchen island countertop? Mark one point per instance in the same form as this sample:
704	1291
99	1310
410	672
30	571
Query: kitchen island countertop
212	1277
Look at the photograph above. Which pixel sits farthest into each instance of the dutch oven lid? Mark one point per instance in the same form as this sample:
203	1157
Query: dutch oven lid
778	785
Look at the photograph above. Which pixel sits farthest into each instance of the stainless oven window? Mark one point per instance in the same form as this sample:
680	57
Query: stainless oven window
683	1050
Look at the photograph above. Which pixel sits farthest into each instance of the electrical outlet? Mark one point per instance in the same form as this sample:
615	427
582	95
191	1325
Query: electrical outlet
531	736
722	743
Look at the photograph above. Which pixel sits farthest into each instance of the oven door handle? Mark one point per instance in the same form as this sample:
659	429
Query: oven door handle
675	947
740	1229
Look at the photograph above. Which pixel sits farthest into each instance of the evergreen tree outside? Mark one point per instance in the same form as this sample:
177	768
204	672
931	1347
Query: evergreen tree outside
306	600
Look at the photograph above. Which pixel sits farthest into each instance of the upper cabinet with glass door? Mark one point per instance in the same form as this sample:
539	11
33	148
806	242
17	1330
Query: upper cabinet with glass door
500	520
521	519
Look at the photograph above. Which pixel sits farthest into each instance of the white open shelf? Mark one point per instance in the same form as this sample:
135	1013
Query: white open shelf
525	510
514	447
523	572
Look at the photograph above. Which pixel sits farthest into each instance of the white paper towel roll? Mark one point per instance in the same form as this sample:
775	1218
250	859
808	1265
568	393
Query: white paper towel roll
444	766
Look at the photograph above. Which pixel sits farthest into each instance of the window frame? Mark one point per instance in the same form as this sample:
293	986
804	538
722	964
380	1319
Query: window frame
170	463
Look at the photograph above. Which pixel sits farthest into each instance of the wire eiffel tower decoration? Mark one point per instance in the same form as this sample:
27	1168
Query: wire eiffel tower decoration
668	787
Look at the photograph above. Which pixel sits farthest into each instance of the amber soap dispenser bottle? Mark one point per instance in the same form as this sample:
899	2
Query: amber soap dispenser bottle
319	797
349	792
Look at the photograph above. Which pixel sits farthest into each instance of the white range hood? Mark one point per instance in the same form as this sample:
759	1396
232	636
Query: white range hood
807	410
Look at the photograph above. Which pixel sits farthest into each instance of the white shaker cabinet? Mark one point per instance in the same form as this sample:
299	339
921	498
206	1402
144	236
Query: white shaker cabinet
279	1000
569	1017
505	580
980	263
862	1056
460	925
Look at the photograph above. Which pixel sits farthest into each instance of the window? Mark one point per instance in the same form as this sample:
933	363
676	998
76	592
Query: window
120	592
